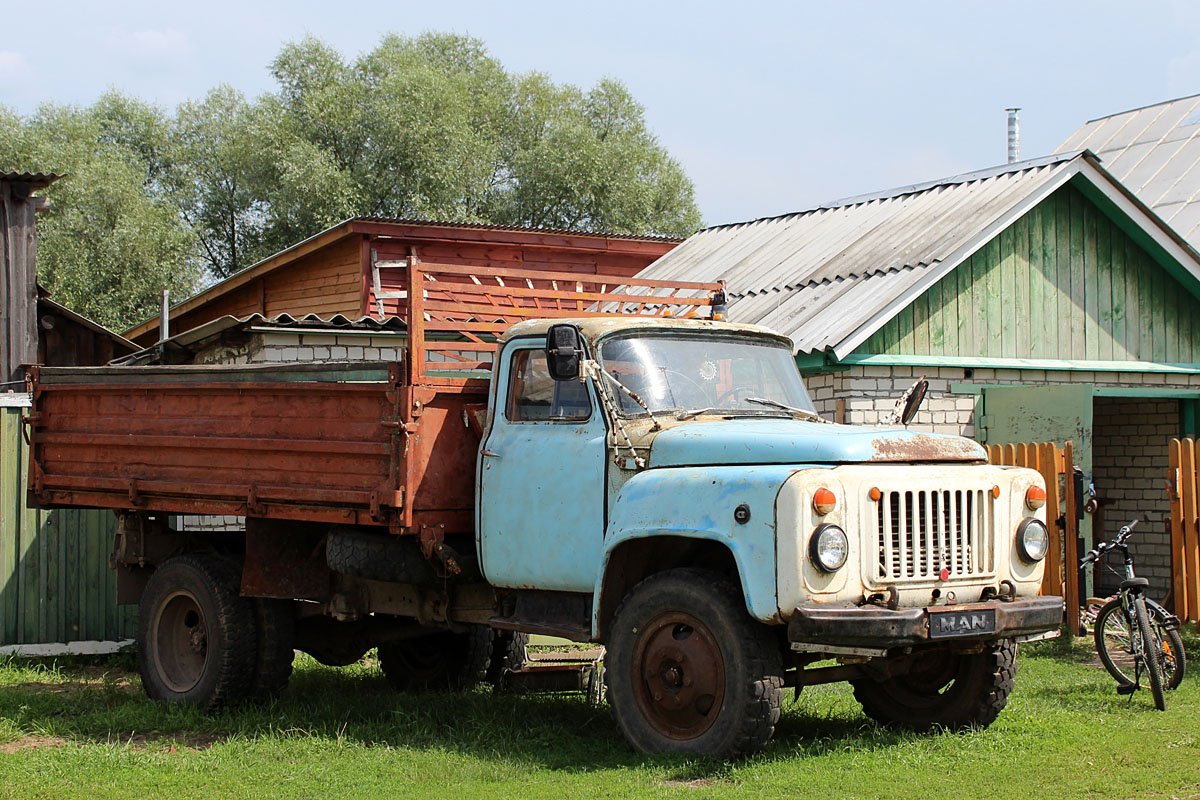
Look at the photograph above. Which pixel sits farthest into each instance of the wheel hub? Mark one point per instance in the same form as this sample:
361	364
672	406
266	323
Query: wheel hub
179	642
680	675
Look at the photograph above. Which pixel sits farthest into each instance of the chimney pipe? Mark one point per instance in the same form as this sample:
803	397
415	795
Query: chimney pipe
1014	134
164	315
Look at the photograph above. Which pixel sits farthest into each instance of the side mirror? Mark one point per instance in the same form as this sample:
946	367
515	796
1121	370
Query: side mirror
913	400
563	348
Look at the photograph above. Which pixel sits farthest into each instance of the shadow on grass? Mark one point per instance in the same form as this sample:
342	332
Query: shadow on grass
99	700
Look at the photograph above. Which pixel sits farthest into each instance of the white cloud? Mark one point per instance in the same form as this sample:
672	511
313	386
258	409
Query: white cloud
168	44
13	68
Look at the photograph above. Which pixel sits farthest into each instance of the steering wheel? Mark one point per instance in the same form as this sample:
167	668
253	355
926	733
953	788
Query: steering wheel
702	394
734	394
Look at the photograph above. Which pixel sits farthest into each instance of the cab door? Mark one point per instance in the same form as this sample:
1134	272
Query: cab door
541	478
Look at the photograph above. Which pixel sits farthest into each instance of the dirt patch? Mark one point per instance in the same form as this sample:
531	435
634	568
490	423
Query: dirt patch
31	743
171	742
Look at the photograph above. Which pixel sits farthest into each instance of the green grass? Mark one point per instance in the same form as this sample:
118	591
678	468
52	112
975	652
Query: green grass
345	734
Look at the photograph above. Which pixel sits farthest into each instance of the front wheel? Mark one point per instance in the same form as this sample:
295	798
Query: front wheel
690	671
944	688
1151	646
1114	644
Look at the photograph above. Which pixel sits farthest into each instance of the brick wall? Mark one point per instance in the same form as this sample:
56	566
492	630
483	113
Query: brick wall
1129	465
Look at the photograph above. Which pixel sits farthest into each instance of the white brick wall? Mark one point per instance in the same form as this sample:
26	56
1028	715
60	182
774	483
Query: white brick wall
1129	464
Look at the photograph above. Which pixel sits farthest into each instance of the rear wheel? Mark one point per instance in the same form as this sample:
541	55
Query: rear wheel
443	661
689	671
944	688
275	627
196	636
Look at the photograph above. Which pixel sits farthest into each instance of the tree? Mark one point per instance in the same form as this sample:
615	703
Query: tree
430	127
109	241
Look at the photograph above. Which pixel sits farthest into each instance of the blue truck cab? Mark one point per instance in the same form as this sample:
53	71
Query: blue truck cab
670	480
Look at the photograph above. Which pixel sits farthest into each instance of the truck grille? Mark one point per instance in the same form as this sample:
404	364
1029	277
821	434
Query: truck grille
922	532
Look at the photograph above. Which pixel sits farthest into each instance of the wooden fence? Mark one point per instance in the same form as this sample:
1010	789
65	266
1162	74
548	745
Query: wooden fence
55	584
1062	564
1184	488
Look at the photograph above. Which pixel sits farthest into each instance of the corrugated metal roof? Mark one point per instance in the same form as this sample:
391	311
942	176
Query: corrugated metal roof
831	276
1155	152
484	226
820	275
313	323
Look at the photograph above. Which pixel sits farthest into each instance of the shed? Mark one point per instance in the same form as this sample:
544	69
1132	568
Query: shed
1042	299
55	584
349	268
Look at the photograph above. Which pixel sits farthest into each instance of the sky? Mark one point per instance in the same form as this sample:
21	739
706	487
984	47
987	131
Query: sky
770	107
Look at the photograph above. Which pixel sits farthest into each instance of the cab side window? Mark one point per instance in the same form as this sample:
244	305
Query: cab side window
533	396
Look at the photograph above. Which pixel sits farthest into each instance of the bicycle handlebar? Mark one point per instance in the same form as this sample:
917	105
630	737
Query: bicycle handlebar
1102	548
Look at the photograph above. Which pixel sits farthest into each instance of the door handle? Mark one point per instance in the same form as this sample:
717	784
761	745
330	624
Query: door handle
489	454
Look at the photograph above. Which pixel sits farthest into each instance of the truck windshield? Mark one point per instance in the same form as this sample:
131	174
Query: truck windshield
699	373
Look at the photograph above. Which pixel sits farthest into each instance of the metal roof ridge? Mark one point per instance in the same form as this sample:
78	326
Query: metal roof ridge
1143	108
917	188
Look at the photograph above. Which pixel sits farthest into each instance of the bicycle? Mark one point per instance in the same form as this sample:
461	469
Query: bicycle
1133	633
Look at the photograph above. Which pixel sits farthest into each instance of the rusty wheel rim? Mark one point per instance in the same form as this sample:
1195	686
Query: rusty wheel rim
679	676
179	642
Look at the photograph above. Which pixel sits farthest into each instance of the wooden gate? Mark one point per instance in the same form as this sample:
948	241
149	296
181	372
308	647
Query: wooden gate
1061	578
1183	484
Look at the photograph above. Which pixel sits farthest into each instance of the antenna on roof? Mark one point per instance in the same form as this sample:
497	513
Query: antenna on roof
1014	134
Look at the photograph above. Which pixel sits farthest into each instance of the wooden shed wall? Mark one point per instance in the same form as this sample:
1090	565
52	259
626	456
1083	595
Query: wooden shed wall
331	280
1062	282
55	584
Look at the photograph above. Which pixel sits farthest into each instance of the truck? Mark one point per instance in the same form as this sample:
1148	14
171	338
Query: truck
607	460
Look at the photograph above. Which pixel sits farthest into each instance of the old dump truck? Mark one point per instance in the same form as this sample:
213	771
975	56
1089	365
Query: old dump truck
587	457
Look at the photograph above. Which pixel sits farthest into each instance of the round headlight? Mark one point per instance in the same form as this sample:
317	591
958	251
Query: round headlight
828	548
1033	539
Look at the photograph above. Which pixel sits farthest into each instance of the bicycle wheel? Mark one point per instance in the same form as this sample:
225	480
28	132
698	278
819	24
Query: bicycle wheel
1151	646
1114	641
1171	657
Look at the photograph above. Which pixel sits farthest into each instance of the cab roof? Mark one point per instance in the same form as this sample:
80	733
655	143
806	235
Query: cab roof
596	327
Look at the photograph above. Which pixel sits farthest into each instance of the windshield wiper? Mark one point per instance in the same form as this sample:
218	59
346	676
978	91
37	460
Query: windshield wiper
724	412
762	401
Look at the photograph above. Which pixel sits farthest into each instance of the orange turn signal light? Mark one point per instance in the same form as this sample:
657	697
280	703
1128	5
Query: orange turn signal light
824	501
1035	498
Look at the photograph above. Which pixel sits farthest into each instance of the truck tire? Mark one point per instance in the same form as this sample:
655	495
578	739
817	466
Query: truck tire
377	557
509	654
689	670
275	626
945	689
441	662
196	636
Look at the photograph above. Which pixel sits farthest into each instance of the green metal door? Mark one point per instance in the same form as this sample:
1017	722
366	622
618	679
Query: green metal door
1013	414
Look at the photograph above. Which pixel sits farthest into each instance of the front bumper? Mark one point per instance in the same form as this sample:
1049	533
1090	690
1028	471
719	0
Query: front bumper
882	628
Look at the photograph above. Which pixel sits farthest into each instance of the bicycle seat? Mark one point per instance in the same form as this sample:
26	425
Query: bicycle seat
1135	583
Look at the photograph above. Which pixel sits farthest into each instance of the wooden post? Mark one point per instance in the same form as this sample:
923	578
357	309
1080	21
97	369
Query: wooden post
1189	567
1070	545
18	262
1050	459
1176	490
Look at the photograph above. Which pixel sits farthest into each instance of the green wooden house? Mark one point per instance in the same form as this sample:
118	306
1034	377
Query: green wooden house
1042	299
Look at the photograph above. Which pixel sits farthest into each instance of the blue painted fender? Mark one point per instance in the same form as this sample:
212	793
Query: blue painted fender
698	502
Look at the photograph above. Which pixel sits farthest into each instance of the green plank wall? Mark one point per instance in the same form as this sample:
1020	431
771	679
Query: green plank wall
55	584
1062	282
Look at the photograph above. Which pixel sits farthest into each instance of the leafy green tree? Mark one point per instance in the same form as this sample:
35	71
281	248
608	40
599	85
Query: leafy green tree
109	241
427	127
